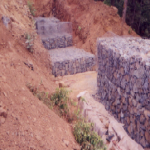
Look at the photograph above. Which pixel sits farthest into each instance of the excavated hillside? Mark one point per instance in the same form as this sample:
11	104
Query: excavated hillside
90	19
25	122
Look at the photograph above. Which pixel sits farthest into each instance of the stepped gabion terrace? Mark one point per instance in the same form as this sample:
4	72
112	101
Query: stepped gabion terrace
68	61
56	36
124	83
53	33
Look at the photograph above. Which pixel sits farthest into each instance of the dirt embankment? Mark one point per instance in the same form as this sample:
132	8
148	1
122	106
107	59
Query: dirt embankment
90	19
25	122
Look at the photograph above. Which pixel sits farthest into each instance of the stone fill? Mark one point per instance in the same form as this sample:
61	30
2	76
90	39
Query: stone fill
53	33
71	61
124	83
112	132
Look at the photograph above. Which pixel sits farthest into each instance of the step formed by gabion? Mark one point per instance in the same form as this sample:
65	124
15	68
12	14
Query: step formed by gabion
68	61
53	33
124	83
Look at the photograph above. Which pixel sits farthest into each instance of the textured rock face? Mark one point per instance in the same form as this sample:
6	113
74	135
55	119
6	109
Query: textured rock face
68	61
54	34
124	83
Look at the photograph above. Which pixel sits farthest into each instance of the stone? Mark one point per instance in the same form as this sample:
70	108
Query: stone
3	112
147	114
109	137
135	88
62	84
128	120
6	20
139	73
66	142
38	138
2	120
143	142
129	129
134	102
147	136
142	118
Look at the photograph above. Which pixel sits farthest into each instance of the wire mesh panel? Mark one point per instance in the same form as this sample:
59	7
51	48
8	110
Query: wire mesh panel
54	34
65	27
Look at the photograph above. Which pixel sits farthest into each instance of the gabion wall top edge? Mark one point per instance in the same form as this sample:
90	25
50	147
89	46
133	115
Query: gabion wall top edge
127	47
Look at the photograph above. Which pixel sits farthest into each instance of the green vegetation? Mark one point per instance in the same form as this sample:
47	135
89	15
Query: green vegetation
88	139
137	15
60	98
29	42
42	96
107	2
79	28
31	7
130	30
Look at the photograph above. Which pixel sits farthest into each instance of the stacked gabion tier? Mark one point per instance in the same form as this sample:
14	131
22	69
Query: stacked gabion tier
124	83
68	61
53	33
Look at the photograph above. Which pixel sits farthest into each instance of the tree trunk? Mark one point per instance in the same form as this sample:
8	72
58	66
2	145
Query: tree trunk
124	14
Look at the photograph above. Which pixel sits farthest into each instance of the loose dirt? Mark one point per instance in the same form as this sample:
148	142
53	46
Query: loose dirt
25	122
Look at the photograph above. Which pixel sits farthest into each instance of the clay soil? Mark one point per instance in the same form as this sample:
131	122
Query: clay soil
90	20
29	124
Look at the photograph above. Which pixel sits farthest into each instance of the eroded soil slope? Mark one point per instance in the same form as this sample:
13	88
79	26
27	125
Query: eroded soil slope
25	122
90	19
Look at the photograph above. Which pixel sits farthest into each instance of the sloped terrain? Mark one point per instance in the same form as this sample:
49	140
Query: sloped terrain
25	122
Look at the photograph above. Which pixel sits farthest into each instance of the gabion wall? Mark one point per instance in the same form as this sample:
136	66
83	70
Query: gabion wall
124	83
53	33
70	61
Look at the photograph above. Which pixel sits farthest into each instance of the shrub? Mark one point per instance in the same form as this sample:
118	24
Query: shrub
107	2
88	139
31	7
29	42
60	98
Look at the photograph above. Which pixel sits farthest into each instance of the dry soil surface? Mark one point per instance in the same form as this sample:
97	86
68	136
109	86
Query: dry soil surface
25	122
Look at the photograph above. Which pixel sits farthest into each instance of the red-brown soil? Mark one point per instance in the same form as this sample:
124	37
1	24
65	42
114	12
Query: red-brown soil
29	124
90	19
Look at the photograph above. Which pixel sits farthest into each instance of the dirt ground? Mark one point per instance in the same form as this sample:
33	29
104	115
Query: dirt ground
80	82
28	123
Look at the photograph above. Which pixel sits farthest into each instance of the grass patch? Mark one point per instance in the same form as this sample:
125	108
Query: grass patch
88	139
31	7
60	101
29	42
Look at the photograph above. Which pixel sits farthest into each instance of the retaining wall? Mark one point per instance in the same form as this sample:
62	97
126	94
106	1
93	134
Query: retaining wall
53	33
124	83
68	61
